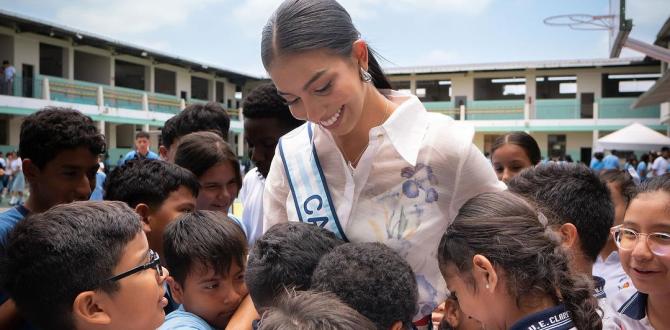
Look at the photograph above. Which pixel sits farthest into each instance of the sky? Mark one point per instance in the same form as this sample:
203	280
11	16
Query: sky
227	33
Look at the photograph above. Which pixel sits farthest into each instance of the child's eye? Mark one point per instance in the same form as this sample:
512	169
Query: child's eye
211	286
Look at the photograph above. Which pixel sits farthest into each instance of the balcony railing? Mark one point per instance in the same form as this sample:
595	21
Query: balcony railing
557	109
619	107
82	92
494	110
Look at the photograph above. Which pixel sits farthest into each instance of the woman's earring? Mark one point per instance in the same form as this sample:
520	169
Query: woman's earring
365	76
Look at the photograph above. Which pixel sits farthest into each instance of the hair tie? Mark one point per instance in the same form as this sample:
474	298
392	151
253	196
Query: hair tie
542	219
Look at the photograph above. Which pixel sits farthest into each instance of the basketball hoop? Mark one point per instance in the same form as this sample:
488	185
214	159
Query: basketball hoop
581	21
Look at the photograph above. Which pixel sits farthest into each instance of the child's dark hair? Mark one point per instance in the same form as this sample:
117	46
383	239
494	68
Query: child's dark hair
264	102
644	158
52	257
45	133
571	193
203	239
523	140
371	278
196	118
303	25
538	264
285	257
147	181
623	180
200	151
657	183
599	155
308	310
142	134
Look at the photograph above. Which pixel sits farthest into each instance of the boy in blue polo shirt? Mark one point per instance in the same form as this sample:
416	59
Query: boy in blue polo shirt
59	148
206	254
141	148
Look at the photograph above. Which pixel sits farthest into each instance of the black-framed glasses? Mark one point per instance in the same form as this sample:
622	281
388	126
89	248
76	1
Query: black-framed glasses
626	239
154	262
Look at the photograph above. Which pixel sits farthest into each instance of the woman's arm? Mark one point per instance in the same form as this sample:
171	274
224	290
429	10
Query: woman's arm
275	194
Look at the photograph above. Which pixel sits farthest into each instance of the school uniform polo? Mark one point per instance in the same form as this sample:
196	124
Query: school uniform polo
631	308
611	162
555	318
134	154
610	269
181	319
417	171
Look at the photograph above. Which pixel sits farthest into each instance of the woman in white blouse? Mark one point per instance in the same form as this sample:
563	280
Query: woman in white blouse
371	164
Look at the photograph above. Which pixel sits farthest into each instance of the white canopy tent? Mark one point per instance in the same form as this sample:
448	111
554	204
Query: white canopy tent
634	137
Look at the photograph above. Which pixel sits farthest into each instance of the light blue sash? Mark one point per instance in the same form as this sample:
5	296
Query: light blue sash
308	184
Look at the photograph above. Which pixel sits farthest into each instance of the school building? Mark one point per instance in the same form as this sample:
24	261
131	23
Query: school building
566	105
123	87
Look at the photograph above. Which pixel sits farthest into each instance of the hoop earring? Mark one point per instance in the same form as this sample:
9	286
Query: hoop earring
366	76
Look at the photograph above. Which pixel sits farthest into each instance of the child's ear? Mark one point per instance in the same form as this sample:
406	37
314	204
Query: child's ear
397	325
163	152
451	313
569	236
30	170
485	275
144	211
176	289
87	308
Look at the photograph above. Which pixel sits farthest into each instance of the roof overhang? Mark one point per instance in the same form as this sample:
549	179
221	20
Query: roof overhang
657	94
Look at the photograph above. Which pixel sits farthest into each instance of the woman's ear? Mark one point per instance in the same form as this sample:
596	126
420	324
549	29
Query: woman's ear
88	308
484	273
360	53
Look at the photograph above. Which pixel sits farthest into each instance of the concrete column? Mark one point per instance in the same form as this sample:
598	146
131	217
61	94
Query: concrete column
152	78
212	89
145	128
531	95
112	71
111	136
69	74
46	93
240	145
101	126
101	97
15	130
182	104
412	84
145	102
462	108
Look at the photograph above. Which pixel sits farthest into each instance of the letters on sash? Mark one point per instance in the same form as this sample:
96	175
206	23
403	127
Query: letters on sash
309	188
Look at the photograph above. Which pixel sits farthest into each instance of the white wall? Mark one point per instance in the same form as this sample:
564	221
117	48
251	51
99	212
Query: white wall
26	51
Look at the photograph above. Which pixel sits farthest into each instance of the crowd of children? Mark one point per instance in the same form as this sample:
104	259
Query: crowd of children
408	225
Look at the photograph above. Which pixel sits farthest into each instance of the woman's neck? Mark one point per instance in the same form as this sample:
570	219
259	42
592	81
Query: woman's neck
376	109
657	311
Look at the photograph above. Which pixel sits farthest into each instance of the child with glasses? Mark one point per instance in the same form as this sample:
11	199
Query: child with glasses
621	188
644	245
206	254
84	265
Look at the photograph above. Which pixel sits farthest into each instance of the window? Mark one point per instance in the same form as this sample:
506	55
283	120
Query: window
512	88
556	87
433	90
199	88
401	86
627	85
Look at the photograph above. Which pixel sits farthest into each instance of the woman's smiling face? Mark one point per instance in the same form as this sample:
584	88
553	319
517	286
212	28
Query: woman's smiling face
321	87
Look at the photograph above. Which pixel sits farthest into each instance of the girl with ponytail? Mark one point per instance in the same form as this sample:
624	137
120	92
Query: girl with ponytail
370	164
508	271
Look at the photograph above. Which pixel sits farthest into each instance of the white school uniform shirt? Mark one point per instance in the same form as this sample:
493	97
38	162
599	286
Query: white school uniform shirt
630	306
417	171
615	277
251	196
660	166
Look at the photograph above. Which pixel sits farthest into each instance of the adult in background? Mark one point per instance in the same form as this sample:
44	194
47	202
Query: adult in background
660	165
141	148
